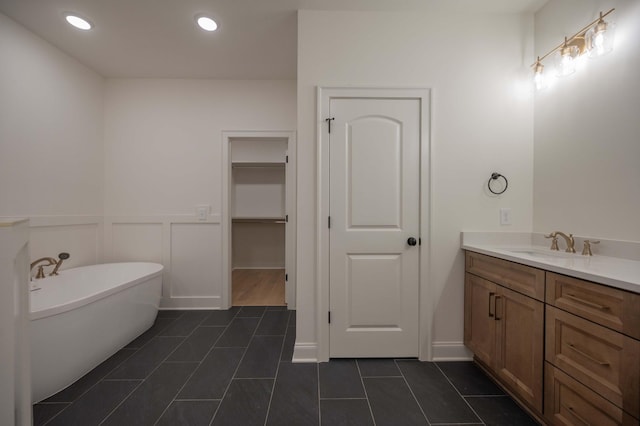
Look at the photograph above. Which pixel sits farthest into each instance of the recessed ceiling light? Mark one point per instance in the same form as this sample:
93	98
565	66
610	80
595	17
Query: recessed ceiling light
206	23
78	22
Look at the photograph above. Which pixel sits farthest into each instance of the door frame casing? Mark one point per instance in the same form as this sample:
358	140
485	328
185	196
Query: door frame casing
324	96
291	188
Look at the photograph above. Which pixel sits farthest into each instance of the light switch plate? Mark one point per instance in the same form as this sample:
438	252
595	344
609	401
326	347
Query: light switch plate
505	216
202	212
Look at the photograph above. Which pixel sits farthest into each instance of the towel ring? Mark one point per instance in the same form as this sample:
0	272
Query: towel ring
495	176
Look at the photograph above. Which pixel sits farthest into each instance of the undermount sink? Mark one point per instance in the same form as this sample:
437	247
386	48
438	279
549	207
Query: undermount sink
546	254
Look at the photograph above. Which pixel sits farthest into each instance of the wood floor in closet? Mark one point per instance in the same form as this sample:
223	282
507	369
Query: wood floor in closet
258	287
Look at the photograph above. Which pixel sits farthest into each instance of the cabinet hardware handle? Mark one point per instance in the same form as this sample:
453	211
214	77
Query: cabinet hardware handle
491	294
587	302
586	355
495	307
574	414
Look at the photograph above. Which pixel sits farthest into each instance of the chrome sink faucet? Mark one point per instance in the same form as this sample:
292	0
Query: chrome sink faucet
568	238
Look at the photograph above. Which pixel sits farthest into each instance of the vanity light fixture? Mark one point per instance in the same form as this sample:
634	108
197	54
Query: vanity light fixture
78	22
206	23
596	39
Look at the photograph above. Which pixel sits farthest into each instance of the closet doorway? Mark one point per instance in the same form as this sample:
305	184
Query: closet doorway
258	221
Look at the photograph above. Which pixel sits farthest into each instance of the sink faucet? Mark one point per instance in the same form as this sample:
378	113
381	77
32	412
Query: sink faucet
568	238
51	261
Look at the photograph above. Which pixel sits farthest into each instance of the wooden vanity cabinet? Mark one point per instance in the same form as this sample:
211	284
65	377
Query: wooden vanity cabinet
592	338
504	328
567	348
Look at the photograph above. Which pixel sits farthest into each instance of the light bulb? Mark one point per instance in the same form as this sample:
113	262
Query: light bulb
78	22
566	64
600	38
206	23
539	80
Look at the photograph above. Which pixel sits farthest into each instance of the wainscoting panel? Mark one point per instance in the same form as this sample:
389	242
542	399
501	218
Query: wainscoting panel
190	250
81	237
136	242
195	260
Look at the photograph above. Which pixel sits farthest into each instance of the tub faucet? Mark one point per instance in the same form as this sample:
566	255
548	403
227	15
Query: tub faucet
52	261
568	238
40	273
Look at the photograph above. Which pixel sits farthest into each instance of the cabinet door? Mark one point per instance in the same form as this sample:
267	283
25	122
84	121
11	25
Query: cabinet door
479	317
519	344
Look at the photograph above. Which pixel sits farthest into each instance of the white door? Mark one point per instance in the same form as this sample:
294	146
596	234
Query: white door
374	209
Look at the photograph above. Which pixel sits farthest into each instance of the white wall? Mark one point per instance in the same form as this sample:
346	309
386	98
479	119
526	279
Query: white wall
51	150
163	158
587	128
482	121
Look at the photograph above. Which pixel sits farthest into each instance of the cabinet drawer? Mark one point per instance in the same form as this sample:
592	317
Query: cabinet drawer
521	278
602	359
568	402
613	308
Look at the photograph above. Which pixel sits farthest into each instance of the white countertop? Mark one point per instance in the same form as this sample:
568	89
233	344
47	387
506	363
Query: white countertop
10	221
612	271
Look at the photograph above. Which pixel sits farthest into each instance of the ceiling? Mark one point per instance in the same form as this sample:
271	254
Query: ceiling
256	39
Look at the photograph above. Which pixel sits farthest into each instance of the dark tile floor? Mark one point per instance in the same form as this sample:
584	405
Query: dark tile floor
234	368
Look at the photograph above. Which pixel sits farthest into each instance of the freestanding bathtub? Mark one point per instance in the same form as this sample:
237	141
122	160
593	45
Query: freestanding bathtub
84	315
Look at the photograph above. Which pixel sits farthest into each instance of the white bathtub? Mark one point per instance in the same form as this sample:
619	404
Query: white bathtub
84	315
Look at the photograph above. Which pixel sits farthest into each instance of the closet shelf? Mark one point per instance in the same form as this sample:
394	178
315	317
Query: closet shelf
258	220
257	164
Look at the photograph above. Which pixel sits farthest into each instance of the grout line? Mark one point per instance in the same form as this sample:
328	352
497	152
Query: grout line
226	327
196	399
318	385
92	386
55	415
458	392
239	363
382	377
366	395
184	339
412	394
199	363
273	387
123	400
486	396
53	402
342	399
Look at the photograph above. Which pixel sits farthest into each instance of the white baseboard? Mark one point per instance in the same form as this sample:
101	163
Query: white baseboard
191	303
305	352
450	351
257	267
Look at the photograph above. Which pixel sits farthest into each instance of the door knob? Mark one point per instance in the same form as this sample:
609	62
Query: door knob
412	241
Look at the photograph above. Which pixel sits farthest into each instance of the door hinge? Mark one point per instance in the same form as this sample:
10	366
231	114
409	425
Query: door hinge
286	277
286	158
286	218
329	317
329	222
329	120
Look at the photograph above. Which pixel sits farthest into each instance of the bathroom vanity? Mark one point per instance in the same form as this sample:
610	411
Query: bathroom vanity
566	347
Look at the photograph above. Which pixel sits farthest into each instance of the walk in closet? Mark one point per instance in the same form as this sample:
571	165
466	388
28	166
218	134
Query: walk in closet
259	220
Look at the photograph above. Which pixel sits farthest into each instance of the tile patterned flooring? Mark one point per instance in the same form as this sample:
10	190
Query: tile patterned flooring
234	368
